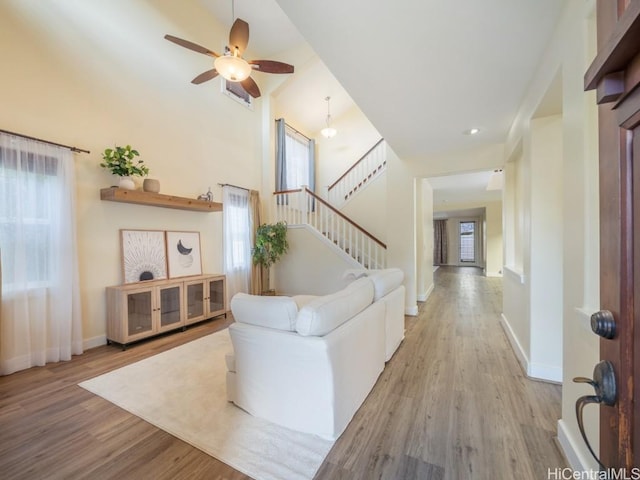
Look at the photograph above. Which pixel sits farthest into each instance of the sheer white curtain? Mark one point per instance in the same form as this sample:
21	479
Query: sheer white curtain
237	239
40	311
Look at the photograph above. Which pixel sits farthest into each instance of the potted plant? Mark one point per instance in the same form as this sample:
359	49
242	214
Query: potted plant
120	162
271	243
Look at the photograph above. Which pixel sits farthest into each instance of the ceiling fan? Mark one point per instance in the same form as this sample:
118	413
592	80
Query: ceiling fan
231	65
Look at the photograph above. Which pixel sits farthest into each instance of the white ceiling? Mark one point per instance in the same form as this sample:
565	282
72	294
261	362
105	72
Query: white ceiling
270	30
422	71
463	188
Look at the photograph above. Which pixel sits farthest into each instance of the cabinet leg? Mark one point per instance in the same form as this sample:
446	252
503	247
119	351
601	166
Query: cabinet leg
184	328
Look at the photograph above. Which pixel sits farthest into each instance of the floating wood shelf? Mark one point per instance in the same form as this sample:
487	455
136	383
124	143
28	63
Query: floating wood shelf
115	194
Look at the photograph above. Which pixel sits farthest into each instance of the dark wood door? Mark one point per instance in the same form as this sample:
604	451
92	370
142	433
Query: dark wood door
615	73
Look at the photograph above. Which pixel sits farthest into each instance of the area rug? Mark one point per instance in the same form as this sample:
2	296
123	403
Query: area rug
183	391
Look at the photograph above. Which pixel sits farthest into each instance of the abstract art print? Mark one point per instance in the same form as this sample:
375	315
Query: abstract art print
183	254
144	255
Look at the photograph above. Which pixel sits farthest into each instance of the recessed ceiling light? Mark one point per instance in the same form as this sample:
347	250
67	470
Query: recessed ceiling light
471	131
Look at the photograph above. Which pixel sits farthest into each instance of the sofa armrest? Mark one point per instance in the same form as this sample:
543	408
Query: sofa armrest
311	384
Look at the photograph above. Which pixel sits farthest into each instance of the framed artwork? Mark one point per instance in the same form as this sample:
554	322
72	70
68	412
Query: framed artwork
144	255
183	254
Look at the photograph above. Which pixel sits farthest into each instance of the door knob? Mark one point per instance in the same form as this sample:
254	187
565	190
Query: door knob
603	324
604	384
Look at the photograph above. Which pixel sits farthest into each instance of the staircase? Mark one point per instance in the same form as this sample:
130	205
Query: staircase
368	167
303	207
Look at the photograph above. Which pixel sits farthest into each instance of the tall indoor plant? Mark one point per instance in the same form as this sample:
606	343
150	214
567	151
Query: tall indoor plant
271	243
120	162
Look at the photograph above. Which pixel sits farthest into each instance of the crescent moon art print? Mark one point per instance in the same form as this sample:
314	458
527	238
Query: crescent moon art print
183	254
143	255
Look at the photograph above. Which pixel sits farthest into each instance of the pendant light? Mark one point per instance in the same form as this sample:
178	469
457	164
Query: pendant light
328	131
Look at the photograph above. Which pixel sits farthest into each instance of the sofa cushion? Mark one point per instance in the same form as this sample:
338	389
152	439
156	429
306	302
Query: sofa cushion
385	281
302	300
322	315
265	311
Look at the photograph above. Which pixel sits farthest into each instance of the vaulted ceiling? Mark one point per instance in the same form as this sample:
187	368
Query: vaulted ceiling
422	71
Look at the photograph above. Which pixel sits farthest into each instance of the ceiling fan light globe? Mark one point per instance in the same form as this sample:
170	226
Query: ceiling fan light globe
232	68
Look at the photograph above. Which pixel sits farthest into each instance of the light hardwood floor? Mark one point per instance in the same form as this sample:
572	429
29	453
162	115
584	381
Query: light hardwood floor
451	404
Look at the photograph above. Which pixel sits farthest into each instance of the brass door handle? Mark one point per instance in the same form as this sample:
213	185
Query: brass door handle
604	384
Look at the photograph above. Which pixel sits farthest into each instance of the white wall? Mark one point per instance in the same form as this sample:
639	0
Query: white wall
401	225
368	207
100	73
534	187
311	266
424	238
493	235
569	52
546	247
355	137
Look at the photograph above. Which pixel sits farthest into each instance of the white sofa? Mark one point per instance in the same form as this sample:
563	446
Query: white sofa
388	289
308	362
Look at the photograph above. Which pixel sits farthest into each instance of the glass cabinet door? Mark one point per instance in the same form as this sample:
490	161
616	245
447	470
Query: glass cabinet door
216	296
170	306
195	300
139	313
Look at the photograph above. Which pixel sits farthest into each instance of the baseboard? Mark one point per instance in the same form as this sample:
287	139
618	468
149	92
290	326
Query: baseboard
411	311
568	443
424	296
536	371
547	373
494	274
94	342
515	344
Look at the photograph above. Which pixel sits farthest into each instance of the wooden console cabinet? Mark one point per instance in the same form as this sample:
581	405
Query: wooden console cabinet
140	310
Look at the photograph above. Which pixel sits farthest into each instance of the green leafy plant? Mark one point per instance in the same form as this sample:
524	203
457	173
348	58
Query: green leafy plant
271	243
120	161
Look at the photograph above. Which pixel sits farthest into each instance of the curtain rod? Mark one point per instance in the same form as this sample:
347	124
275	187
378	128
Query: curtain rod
73	149
236	186
294	129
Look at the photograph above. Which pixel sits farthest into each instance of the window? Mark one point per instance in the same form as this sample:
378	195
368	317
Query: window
467	242
237	239
40	320
294	159
297	148
27	213
235	91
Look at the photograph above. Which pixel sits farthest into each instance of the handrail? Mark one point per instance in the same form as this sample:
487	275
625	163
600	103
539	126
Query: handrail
282	192
356	163
337	212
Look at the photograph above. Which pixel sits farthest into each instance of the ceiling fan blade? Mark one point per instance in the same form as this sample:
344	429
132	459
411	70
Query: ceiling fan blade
239	36
271	66
251	87
191	46
203	77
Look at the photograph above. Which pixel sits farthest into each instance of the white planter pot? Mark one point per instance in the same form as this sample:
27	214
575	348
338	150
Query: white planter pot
127	183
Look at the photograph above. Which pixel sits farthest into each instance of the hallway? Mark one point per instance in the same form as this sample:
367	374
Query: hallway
453	403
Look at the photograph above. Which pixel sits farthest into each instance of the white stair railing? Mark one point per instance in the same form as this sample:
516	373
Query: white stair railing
303	207
359	175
